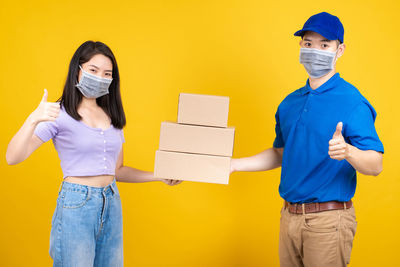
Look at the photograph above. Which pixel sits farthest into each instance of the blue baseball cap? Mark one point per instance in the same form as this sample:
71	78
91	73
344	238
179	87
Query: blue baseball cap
325	24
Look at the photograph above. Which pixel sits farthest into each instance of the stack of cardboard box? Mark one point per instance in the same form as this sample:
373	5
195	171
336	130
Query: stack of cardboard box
199	146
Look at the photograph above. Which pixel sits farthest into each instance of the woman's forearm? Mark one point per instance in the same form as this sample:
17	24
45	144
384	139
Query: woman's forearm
18	147
22	144
131	175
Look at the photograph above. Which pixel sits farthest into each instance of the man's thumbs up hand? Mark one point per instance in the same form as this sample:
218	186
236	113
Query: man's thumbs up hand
338	148
46	111
338	132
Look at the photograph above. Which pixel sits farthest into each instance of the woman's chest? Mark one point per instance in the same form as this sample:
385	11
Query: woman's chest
83	139
95	118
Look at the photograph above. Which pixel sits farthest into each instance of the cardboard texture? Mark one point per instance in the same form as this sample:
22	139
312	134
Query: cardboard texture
197	148
206	110
196	139
192	167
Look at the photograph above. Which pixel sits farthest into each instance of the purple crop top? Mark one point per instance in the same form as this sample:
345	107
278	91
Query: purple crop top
83	150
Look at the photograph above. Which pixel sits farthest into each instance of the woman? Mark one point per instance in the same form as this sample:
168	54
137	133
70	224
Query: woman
86	127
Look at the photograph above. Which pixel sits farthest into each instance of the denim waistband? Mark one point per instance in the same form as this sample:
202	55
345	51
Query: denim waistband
111	188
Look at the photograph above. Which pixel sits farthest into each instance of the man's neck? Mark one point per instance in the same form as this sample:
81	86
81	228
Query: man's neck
317	82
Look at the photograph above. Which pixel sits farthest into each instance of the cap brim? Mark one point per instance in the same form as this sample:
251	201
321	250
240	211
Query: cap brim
326	34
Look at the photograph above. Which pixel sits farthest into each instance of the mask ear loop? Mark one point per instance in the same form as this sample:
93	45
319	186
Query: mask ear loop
336	56
77	78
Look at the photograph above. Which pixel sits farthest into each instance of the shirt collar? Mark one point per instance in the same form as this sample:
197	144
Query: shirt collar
329	84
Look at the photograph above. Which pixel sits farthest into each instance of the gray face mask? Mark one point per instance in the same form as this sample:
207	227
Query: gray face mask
93	86
317	62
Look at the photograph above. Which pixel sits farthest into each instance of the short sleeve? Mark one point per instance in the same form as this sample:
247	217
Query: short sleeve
46	130
122	136
360	130
278	142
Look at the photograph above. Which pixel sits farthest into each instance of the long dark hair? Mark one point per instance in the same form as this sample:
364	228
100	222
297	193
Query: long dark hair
111	103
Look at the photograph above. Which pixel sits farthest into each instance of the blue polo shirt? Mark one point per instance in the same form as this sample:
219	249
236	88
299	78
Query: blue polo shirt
305	122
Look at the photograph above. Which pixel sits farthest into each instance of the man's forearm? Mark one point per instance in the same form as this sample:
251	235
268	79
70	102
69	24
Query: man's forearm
368	162
266	160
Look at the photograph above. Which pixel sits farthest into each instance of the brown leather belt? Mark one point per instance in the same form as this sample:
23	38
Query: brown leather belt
297	208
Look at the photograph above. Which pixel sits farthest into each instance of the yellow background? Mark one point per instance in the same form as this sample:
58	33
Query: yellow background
242	49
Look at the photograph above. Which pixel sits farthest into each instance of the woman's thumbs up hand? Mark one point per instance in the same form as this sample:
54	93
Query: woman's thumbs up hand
46	111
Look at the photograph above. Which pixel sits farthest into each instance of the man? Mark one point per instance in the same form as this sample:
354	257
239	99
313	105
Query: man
324	134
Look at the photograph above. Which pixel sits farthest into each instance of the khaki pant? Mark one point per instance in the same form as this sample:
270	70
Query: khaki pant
320	239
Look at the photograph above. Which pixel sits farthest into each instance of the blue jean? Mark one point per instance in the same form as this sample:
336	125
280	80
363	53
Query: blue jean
87	227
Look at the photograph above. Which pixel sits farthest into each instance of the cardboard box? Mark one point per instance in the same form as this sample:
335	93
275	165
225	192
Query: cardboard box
196	139
204	110
192	167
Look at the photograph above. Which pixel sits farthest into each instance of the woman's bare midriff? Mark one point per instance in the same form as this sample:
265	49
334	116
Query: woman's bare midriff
95	181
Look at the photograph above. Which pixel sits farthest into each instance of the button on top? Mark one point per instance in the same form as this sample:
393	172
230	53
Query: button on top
101	132
105	141
104	158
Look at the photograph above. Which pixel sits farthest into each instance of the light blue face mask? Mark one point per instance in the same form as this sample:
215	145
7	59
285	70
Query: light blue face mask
93	86
317	62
